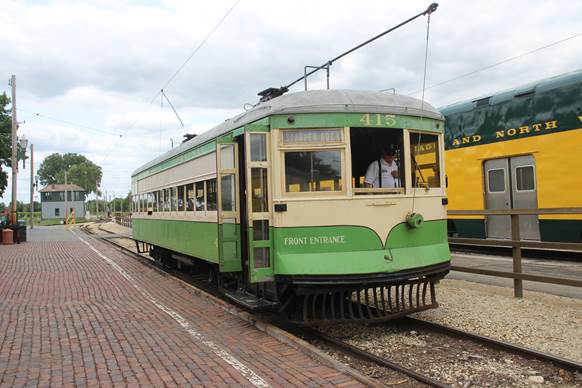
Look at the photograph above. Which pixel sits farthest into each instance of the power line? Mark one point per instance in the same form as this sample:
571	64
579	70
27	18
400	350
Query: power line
178	71
496	63
70	123
200	45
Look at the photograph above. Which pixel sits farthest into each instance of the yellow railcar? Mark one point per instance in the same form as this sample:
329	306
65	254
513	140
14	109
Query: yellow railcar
519	148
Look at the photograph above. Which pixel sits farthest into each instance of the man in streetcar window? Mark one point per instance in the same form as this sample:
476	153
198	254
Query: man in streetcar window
382	173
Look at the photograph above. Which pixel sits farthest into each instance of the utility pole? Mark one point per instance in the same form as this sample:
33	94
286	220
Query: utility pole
31	186
97	198
66	200
13	160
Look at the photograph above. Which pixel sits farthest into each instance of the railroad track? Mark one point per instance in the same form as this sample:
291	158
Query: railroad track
418	324
495	343
357	352
364	355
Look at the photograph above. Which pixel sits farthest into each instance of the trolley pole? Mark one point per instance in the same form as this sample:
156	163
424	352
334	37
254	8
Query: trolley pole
13	159
31	186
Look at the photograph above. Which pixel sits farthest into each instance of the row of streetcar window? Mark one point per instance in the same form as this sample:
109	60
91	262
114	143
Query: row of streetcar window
322	169
198	196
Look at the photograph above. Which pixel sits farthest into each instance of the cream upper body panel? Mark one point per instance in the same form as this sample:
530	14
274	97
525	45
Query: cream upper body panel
378	214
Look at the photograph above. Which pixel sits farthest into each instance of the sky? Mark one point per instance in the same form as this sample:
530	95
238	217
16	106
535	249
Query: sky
88	73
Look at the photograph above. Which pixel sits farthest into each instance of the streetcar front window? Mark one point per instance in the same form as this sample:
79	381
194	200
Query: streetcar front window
310	171
377	160
425	160
313	159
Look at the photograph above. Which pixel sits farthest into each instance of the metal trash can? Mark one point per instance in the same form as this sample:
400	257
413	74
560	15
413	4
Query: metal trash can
19	233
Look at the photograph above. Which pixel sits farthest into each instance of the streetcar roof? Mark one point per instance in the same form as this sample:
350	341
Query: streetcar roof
311	101
539	86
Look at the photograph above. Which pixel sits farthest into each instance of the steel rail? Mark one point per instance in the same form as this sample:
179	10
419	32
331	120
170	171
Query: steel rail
512	348
367	356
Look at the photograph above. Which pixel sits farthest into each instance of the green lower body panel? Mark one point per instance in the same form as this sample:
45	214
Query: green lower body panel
348	250
197	239
467	228
561	230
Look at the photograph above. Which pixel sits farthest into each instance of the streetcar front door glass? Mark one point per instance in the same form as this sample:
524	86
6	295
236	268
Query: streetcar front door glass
228	215
510	183
260	219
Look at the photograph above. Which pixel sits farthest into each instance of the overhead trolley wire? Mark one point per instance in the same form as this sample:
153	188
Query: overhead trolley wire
200	45
175	74
494	64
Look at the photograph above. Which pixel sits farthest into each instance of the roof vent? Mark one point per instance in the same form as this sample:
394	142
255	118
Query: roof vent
482	102
525	93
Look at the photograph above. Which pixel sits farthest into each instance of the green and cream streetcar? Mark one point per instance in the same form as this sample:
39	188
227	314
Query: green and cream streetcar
277	201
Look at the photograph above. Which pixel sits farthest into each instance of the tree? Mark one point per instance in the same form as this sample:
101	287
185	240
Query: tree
81	171
5	141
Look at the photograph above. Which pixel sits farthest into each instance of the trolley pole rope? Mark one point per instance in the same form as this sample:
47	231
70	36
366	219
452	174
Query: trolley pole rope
431	8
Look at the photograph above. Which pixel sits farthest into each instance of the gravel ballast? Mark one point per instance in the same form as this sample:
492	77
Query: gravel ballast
547	323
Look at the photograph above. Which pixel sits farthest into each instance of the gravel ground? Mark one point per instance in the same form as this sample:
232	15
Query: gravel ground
548	323
453	361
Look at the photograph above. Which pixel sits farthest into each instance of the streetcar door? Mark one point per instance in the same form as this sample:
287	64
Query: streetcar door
229	250
497	196
258	188
524	194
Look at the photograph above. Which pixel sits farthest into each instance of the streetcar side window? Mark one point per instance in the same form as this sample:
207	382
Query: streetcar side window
424	150
156	195
180	198
174	199
166	200
211	194
190	197
377	160
199	196
150	198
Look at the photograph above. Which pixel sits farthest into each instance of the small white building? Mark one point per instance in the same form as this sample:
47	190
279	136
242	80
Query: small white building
52	199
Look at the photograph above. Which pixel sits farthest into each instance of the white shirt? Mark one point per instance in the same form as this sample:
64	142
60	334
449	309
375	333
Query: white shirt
372	176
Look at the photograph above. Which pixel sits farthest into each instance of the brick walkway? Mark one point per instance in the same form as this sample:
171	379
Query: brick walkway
78	315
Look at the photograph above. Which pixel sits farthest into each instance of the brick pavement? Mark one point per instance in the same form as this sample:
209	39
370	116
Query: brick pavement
71	315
